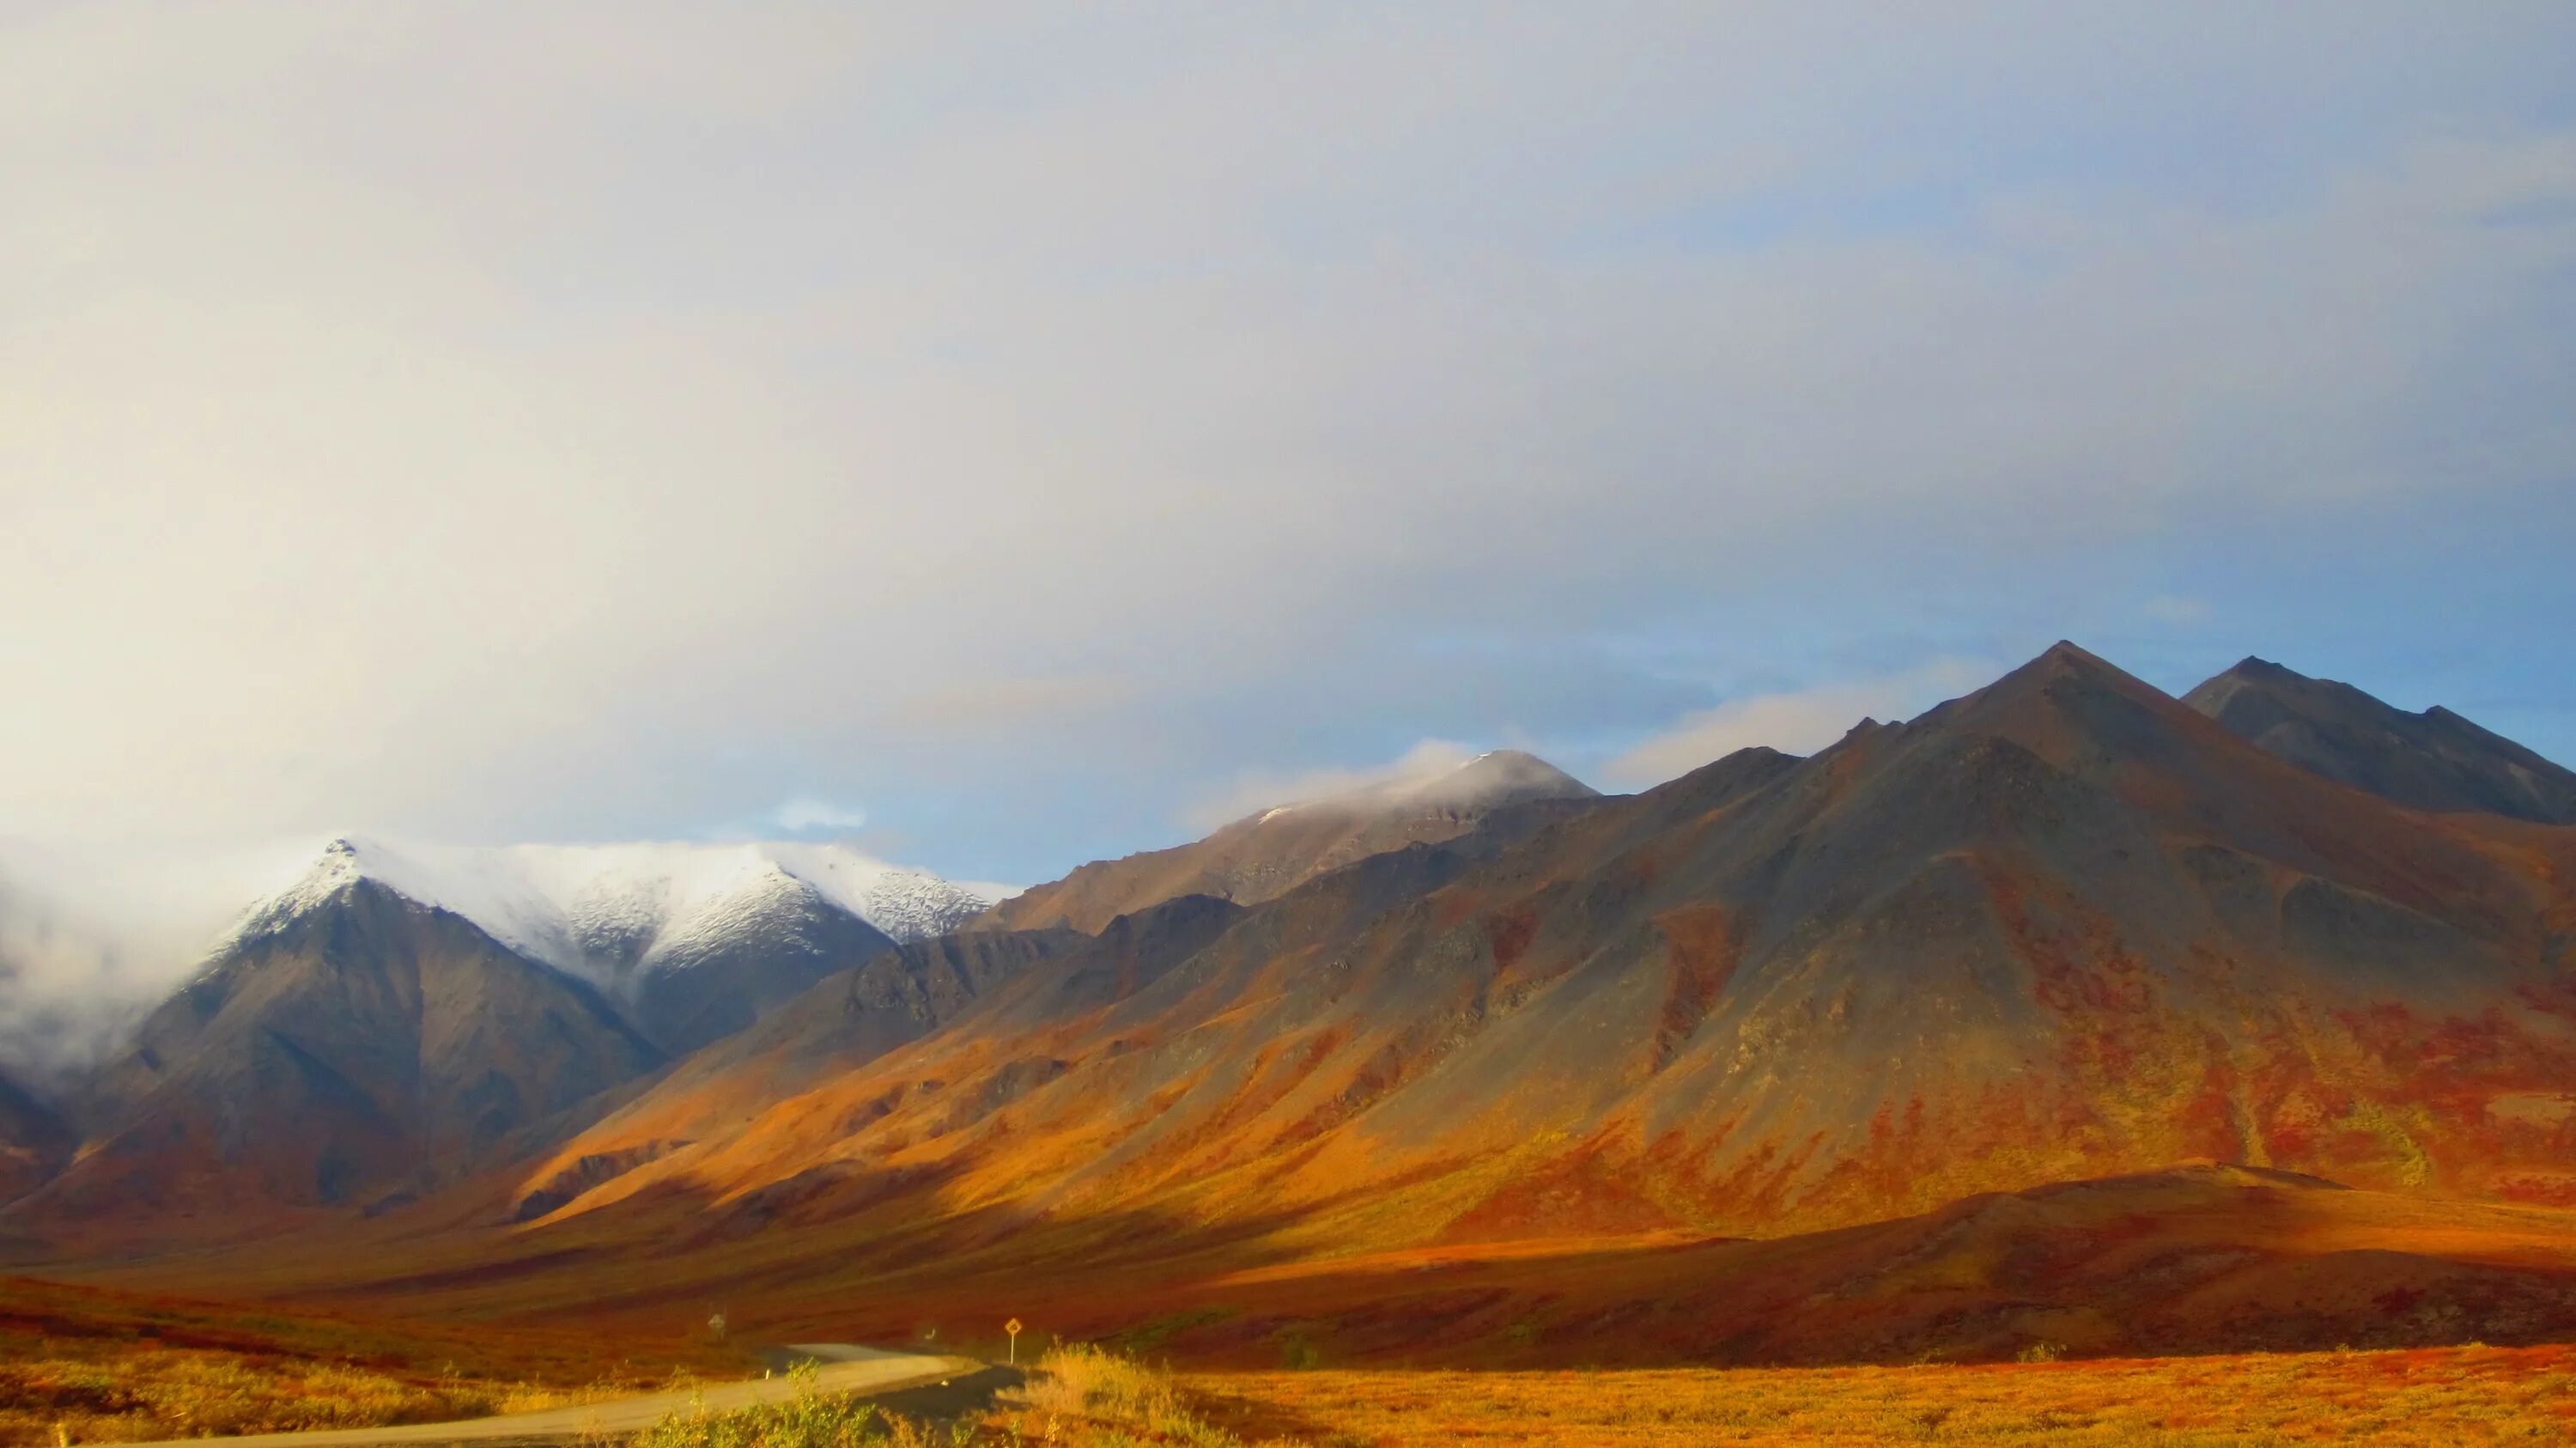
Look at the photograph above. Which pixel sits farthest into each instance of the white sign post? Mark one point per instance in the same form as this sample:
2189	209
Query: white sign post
1013	1328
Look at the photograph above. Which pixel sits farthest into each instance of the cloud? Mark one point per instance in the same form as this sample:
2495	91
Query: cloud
91	938
1799	722
1002	703
482	423
809	816
1254	792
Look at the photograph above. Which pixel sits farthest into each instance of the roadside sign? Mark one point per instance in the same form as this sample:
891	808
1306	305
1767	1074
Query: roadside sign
1013	1328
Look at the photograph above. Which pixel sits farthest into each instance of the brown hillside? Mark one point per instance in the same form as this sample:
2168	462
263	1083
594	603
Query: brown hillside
1263	856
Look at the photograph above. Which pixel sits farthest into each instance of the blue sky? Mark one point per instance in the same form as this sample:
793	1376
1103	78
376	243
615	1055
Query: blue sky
1035	431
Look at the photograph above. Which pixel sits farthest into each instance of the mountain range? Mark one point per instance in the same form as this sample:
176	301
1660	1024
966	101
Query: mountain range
398	1015
2065	928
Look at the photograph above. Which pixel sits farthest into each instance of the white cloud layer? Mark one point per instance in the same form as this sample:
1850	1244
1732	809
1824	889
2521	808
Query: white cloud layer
482	422
804	816
1800	722
1256	791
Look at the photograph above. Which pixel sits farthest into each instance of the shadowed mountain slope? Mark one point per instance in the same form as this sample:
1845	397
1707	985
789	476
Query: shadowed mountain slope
2188	1260
697	995
1263	856
33	1140
2435	760
364	1046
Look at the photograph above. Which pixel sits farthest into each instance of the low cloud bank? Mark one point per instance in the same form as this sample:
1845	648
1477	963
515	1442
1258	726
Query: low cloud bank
92	939
1253	792
1799	722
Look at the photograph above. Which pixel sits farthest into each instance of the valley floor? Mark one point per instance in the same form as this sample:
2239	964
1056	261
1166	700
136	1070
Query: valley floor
2427	1397
93	1366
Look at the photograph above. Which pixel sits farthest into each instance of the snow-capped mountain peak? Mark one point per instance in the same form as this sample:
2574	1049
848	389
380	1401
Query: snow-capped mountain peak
605	911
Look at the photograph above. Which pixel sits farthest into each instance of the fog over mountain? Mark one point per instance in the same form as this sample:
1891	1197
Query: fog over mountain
469	423
90	942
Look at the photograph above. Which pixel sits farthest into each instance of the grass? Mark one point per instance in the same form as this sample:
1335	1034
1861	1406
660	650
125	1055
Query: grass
1078	1397
2423	1397
810	1419
1084	1397
102	1367
96	1366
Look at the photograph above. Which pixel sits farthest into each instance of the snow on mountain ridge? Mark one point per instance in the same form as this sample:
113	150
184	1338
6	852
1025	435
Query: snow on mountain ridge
599	910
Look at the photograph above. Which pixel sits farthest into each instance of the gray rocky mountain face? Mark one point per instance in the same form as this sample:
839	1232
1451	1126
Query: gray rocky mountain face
2435	760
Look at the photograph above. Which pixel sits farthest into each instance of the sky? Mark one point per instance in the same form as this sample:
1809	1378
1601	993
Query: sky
1008	436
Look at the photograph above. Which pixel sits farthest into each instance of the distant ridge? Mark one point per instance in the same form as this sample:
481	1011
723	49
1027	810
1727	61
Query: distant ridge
1265	855
2435	760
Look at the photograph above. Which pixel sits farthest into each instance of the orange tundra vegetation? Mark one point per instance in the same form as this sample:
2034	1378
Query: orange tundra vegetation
100	1366
2439	1396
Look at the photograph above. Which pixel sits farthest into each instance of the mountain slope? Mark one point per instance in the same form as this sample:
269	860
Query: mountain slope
1265	855
1044	981
2435	760
2063	927
1867	1006
33	1140
365	1046
2191	1260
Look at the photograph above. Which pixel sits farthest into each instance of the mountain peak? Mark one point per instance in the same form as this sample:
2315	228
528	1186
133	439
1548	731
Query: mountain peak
2062	672
2436	760
1262	856
1492	779
2066	657
1499	776
570	906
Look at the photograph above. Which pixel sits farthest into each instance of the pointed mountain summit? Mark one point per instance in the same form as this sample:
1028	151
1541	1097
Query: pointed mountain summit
1488	781
401	1016
1264	855
364	1046
2434	760
691	941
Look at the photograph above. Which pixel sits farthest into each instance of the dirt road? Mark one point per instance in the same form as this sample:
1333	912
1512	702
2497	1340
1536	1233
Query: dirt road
844	1368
